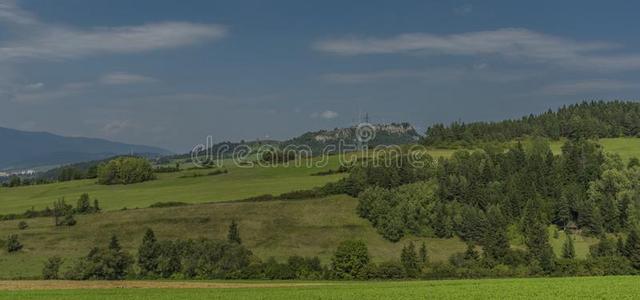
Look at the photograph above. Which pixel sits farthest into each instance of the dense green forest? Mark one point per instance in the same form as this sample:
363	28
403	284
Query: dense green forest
597	119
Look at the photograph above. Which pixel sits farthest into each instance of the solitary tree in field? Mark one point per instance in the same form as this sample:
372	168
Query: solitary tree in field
568	250
234	233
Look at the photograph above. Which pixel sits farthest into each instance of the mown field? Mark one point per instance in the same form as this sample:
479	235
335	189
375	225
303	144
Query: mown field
623	287
270	229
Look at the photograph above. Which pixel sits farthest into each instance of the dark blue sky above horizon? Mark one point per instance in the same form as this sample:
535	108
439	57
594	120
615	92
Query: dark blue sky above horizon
169	73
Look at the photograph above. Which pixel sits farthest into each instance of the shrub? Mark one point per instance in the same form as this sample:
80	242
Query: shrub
23	225
350	260
125	170
51	268
13	245
168	204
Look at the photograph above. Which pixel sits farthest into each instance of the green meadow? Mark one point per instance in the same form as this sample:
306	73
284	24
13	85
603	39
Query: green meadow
622	287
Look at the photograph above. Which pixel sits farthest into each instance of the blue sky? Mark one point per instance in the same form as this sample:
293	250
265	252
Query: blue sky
169	73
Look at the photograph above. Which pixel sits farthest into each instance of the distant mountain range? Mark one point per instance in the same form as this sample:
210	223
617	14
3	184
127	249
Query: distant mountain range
24	149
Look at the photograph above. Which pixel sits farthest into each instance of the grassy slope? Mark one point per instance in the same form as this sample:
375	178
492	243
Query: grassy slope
622	287
278	228
239	183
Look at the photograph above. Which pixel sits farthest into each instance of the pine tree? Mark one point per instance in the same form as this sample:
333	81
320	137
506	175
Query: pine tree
496	242
114	244
568	250
409	260
537	237
632	248
96	205
148	253
234	233
620	246
83	206
423	253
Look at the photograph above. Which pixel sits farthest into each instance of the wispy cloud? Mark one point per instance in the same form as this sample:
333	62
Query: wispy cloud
11	13
118	78
55	42
479	72
327	114
587	86
114	127
511	43
37	92
64	43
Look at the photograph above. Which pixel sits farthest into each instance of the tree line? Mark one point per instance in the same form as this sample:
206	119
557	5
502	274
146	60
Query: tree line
595	119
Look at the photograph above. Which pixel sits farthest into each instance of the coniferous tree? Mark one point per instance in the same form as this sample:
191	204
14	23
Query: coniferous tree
234	233
148	254
423	253
620	247
568	250
537	237
632	248
409	260
496	242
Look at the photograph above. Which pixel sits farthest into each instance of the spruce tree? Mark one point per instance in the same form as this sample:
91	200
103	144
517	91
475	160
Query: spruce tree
409	260
632	248
114	244
568	250
148	254
423	253
537	237
496	242
234	233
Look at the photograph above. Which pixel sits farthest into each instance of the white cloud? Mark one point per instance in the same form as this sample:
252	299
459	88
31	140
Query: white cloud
115	127
327	114
511	43
59	43
56	42
119	78
11	13
587	86
439	75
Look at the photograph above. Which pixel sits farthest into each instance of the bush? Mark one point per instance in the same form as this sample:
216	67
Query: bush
350	260
23	225
51	268
168	204
13	245
125	170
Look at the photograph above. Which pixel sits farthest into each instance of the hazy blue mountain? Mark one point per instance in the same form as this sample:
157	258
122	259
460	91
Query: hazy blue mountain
21	149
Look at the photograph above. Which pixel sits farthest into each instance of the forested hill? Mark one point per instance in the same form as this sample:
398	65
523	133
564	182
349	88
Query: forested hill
596	119
21	149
